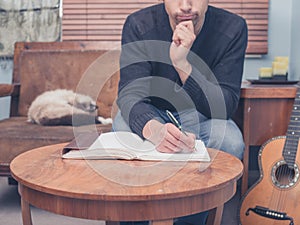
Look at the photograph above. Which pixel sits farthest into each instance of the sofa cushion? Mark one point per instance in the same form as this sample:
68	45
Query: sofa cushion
17	136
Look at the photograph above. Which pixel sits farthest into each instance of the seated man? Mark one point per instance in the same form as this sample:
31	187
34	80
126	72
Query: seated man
186	57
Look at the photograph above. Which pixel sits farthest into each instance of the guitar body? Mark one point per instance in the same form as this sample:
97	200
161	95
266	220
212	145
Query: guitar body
275	198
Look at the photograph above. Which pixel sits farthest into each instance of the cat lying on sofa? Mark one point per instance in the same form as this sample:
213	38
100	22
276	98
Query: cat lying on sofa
64	107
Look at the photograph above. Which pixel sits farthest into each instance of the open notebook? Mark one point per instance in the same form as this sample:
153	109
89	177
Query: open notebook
128	146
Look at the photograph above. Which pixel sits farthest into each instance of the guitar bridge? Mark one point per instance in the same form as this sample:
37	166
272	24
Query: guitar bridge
265	212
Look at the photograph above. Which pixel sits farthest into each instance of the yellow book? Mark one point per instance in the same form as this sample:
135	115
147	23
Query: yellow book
265	73
280	65
279	68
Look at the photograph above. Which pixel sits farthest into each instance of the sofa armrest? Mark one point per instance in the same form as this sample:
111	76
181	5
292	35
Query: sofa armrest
9	90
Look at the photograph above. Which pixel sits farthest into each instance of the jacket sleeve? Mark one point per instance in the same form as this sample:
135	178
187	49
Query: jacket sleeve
216	91
135	78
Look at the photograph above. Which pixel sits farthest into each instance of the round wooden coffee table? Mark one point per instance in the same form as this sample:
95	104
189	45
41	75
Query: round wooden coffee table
119	190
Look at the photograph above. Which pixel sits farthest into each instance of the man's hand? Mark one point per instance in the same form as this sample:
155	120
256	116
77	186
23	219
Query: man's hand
168	138
183	39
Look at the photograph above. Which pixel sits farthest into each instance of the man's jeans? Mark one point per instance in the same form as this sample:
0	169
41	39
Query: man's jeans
215	133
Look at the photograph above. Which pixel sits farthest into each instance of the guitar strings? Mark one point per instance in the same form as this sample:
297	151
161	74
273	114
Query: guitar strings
287	174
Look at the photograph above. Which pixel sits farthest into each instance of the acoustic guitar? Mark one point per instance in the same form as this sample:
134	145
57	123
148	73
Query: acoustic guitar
275	198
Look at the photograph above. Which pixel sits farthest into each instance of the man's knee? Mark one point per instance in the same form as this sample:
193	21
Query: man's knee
234	144
226	136
119	124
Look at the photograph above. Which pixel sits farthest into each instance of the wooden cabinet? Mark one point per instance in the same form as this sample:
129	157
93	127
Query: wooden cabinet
264	112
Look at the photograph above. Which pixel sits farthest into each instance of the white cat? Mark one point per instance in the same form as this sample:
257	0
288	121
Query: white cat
64	107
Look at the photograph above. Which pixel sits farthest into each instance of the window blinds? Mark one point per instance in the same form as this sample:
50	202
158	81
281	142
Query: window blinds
102	20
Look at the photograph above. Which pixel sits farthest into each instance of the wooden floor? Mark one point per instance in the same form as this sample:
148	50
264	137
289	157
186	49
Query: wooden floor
10	210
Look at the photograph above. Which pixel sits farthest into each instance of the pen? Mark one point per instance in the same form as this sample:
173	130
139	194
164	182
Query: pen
175	122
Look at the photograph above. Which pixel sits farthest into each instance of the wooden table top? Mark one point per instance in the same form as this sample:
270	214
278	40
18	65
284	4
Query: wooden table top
249	90
43	169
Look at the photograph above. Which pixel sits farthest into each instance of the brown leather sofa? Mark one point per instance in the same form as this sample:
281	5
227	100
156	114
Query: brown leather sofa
86	67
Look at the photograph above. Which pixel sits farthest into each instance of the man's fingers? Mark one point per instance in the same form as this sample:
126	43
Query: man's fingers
168	145
186	26
184	35
180	140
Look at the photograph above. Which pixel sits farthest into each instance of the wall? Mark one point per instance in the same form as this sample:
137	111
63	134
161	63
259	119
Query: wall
295	42
280	27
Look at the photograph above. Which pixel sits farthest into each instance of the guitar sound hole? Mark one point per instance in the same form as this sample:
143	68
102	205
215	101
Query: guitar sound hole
283	176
